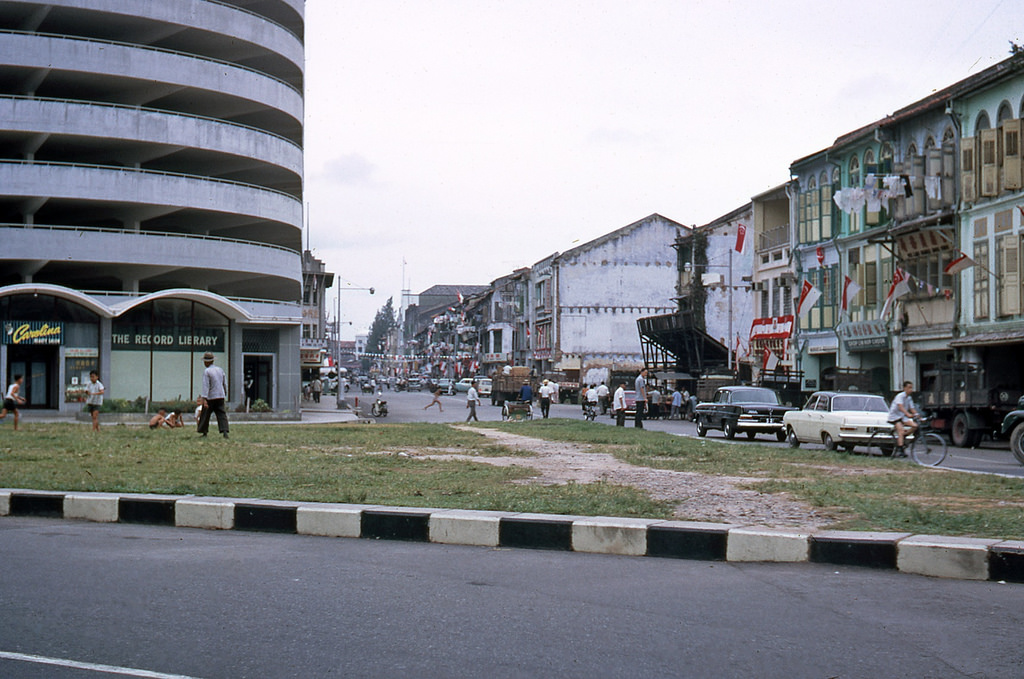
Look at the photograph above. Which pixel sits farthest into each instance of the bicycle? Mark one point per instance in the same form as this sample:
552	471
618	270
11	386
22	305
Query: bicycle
589	412
925	446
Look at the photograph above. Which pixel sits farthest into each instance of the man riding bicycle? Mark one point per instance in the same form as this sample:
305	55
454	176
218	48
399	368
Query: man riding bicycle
902	414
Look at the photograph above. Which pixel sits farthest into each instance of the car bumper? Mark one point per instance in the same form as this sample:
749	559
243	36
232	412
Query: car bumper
759	424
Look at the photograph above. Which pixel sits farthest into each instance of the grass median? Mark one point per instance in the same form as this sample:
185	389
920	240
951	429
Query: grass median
384	464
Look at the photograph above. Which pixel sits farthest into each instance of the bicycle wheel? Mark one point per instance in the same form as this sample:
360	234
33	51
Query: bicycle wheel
881	443
928	449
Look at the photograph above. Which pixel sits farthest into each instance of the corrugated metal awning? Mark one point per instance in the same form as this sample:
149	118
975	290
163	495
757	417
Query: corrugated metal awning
989	339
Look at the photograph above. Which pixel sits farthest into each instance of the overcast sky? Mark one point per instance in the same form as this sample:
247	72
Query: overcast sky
453	141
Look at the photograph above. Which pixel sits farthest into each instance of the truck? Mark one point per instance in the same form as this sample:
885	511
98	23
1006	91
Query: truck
965	402
505	386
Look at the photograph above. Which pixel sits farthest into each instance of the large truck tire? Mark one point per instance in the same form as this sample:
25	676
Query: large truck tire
1017	442
961	434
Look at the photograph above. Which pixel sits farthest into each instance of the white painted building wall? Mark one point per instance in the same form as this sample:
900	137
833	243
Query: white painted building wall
603	288
729	316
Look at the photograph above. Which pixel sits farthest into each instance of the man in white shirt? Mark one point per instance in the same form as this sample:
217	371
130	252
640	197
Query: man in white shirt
902	413
602	395
472	399
546	391
619	405
641	398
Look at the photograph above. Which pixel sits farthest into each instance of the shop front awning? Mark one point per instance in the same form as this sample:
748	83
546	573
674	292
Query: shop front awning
989	339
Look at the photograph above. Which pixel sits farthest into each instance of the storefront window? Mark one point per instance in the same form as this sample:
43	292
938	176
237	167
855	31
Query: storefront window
157	349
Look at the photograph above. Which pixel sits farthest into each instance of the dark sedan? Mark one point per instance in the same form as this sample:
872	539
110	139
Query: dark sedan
751	410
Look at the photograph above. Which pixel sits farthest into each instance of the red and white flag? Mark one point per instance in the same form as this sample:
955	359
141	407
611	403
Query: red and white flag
850	290
900	286
958	264
741	237
808	298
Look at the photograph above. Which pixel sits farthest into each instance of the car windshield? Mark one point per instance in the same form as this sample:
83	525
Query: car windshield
859	403
754	396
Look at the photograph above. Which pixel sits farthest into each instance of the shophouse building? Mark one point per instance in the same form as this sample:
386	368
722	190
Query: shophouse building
989	333
769	344
150	196
586	301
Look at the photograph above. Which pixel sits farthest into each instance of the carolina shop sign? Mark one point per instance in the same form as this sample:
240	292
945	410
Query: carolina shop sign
168	339
33	332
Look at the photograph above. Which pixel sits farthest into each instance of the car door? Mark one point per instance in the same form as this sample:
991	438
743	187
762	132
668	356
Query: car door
803	422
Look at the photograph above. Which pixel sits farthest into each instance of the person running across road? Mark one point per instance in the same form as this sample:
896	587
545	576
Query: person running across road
437	400
472	401
94	398
13	399
213	395
641	398
619	405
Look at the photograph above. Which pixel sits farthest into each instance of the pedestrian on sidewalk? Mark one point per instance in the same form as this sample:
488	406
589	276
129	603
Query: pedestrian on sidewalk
619	405
437	400
472	400
677	404
640	384
318	388
94	398
546	391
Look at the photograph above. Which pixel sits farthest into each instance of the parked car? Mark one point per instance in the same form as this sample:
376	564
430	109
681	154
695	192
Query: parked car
630	405
483	386
1013	427
446	385
462	386
837	418
414	383
742	409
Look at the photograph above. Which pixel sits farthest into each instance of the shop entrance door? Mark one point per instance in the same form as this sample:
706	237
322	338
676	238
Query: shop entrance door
39	366
259	378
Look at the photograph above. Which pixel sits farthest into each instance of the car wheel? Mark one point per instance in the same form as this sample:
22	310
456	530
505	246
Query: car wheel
791	438
729	427
701	429
1017	442
826	438
780	435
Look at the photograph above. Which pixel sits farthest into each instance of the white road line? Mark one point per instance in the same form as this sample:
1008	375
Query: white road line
74	664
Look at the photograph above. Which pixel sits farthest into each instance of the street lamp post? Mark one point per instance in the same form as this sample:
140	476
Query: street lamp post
337	325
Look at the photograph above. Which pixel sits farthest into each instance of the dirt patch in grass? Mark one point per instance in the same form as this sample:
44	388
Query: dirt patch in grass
696	497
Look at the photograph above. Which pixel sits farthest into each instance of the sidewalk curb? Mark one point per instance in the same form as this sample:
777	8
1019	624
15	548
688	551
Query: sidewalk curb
931	555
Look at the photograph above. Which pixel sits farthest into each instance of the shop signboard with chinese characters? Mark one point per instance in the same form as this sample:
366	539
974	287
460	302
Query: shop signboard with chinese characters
33	332
863	335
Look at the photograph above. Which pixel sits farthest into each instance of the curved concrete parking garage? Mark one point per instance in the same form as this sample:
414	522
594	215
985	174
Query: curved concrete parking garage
145	194
158	69
60	118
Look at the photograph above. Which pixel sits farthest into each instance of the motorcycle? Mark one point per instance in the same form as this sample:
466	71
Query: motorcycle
379	408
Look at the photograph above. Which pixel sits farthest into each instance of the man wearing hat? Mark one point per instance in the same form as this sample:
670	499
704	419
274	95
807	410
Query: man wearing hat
212	396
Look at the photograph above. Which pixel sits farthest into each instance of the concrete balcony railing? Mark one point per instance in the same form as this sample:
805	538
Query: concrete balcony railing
150	192
130	249
125	60
46	116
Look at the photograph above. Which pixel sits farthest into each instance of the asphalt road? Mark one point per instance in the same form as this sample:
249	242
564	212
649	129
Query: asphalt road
193	603
991	458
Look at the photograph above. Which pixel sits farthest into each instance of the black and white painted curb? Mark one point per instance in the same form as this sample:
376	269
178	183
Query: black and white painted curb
933	555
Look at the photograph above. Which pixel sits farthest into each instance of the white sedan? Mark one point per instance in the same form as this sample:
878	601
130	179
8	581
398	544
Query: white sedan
843	418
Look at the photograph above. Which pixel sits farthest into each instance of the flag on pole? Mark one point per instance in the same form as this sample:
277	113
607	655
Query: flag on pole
741	237
958	264
900	286
808	298
461	299
850	290
771	361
